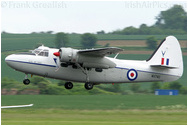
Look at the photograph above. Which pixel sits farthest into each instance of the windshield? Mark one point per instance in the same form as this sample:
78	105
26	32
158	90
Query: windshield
41	52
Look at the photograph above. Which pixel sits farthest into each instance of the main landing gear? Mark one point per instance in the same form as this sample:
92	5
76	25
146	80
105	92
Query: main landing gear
26	81
88	86
68	85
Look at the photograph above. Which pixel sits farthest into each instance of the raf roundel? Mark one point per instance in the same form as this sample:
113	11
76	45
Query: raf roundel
132	74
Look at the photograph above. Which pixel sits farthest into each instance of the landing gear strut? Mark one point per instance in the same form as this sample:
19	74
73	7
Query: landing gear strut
68	85
26	81
88	85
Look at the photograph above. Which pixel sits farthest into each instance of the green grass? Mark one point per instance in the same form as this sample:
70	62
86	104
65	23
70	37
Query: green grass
11	42
92	117
136	37
94	109
25	41
136	48
94	102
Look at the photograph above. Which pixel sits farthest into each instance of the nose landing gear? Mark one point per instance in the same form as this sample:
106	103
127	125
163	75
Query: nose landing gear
26	81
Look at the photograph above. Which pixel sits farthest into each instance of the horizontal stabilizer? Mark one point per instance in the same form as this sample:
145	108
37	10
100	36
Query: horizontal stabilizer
162	66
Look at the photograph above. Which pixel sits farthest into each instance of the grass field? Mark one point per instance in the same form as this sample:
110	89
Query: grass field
95	109
135	37
92	117
133	43
10	42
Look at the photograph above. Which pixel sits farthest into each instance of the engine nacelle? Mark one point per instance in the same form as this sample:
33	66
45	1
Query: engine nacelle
68	55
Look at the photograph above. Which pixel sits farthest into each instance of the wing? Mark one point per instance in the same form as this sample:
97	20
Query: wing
100	52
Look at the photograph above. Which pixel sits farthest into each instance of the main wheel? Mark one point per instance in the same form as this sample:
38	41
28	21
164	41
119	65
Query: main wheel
26	81
68	85
88	86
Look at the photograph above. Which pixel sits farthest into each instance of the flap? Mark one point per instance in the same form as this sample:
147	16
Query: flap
100	52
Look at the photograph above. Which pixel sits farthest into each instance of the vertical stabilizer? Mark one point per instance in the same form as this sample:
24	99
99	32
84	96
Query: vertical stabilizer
168	55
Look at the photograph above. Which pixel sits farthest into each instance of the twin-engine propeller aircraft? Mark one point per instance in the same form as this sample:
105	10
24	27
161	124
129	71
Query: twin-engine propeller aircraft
91	66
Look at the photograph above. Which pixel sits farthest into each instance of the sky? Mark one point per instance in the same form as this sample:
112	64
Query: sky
79	16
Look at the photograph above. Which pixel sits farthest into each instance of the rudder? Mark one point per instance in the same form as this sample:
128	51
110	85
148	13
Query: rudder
168	55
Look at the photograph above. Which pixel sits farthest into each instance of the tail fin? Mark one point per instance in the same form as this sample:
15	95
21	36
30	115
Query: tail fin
168	55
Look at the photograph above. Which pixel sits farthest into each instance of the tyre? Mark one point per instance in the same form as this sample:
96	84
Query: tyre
88	86
68	85
26	81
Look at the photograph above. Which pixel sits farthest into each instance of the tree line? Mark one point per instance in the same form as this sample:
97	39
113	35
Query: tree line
171	21
88	40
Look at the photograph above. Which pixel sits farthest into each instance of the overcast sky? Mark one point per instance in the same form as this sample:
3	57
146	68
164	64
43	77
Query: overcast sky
79	17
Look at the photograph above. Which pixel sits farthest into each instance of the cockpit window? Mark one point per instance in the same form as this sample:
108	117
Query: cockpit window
37	51
41	52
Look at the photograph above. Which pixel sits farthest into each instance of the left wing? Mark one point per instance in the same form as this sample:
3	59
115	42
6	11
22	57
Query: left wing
101	52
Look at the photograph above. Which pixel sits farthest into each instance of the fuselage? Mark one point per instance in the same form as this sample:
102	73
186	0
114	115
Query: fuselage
126	71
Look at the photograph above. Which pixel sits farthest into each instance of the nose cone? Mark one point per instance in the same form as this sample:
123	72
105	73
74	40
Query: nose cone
57	53
8	59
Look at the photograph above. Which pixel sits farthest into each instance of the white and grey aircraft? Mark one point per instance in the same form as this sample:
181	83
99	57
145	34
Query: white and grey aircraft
91	66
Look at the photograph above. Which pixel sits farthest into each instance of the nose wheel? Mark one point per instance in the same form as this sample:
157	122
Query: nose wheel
26	81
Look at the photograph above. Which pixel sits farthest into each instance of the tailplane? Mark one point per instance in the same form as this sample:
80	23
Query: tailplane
168	55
